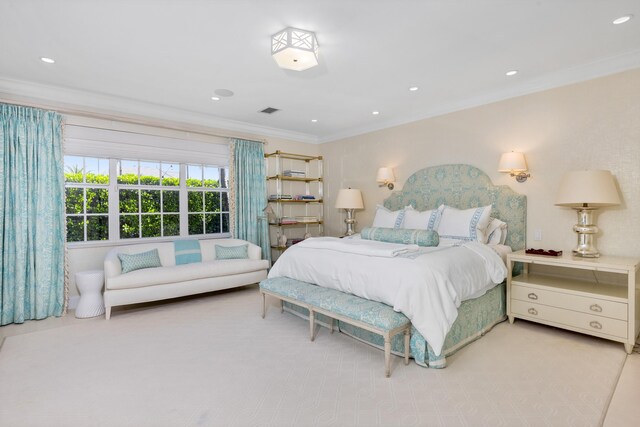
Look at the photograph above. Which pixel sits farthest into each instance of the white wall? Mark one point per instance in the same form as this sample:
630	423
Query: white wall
590	125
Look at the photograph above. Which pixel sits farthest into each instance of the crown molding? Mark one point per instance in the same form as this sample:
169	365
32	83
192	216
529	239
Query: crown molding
600	68
73	101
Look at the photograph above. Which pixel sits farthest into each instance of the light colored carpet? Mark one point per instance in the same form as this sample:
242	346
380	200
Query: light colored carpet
213	361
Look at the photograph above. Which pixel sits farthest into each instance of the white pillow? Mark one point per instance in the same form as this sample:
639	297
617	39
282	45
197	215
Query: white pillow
425	220
469	224
496	232
388	219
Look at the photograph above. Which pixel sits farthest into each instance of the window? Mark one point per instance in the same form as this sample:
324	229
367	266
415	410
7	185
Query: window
87	198
114	199
208	200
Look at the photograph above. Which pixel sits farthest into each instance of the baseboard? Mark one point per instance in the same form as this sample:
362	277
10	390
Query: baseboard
73	302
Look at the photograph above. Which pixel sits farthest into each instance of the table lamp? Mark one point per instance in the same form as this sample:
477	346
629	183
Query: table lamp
349	199
586	191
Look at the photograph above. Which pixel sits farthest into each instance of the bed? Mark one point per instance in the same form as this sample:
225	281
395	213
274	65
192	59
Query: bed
462	187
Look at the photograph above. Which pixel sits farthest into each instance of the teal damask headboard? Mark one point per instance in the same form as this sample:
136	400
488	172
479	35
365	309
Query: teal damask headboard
463	187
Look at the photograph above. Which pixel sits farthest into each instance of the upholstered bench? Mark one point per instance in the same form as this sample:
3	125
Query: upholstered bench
372	316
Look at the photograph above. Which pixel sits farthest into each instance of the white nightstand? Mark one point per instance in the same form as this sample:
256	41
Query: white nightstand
595	296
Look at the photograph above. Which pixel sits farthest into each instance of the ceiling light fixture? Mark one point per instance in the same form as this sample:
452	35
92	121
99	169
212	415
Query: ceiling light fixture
413	88
622	19
47	60
511	73
295	49
215	98
375	113
314	120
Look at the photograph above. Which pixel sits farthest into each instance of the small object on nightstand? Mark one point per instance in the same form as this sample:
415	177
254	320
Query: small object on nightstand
545	252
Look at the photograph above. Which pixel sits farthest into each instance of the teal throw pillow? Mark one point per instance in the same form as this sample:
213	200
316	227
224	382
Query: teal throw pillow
132	262
402	235
232	252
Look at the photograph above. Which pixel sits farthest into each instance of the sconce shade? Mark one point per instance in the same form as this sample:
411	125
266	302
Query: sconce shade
512	162
295	49
385	175
595	188
349	198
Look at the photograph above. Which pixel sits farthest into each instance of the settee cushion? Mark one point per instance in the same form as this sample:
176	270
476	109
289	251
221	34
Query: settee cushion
232	252
186	272
139	261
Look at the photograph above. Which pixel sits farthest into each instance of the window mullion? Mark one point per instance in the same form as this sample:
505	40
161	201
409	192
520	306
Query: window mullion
114	201
184	200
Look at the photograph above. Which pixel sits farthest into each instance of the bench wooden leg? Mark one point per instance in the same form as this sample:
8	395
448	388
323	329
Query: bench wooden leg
281	306
312	324
406	346
332	324
264	304
387	355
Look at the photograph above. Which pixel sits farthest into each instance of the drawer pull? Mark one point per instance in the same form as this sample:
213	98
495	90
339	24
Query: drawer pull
535	312
595	325
532	296
596	308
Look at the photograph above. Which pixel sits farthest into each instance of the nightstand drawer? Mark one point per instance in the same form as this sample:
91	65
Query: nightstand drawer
592	306
563	317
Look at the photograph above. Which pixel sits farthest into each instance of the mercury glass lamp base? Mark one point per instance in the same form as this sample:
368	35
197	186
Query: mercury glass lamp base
586	230
350	221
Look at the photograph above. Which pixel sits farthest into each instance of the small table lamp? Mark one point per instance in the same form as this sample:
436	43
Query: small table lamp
349	199
586	191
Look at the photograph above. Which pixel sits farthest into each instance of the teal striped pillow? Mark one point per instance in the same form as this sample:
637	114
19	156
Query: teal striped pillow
403	235
132	262
232	252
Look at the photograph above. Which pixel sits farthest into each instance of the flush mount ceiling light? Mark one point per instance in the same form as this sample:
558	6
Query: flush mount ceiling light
511	72
375	113
47	60
413	88
215	98
295	49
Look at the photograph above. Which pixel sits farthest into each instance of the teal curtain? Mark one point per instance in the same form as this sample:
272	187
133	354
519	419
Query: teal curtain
250	194
32	227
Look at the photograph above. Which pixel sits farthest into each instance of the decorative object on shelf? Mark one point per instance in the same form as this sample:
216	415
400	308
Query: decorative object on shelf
386	177
586	191
271	215
307	235
515	164
295	49
282	240
545	252
349	199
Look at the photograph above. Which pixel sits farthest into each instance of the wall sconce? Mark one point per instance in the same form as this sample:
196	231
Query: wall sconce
515	164
386	178
349	199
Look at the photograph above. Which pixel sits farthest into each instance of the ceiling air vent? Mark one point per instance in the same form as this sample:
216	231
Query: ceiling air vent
269	110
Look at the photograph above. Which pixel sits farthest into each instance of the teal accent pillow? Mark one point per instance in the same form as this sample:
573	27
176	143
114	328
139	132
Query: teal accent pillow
405	235
132	262
232	252
187	251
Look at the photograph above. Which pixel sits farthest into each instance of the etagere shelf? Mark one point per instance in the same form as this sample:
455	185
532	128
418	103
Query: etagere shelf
295	192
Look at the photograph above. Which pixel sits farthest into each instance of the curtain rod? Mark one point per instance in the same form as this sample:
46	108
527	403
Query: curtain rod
142	121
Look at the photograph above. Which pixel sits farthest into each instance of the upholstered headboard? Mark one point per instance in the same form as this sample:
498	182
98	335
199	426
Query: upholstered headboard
463	187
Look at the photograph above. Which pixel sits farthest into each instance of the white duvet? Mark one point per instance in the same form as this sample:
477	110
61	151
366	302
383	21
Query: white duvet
426	284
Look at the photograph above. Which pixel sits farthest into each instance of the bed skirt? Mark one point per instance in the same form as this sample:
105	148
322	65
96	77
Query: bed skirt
475	318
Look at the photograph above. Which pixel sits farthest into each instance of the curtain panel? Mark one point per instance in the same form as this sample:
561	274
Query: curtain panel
249	194
32	225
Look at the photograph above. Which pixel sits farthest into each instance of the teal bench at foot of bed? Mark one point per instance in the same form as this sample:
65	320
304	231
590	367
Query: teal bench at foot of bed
369	315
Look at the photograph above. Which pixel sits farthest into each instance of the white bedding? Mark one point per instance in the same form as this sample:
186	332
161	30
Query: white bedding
427	284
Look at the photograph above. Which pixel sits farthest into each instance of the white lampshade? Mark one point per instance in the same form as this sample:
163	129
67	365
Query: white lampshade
349	198
512	162
595	188
385	175
295	49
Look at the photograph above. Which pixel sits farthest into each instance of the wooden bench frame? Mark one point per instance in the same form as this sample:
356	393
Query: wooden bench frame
387	334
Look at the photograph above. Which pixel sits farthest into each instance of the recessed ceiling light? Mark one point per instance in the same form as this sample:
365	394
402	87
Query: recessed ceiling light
215	98
223	92
47	60
622	19
314	120
511	73
413	88
375	113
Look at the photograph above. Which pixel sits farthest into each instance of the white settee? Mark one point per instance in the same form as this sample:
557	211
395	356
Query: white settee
171	280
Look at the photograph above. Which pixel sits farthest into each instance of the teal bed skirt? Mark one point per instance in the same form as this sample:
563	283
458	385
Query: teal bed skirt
475	318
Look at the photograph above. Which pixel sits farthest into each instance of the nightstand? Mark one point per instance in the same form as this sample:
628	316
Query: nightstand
594	296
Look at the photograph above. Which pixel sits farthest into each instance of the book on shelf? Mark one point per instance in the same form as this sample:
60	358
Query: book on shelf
304	197
288	220
280	197
294	173
306	219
